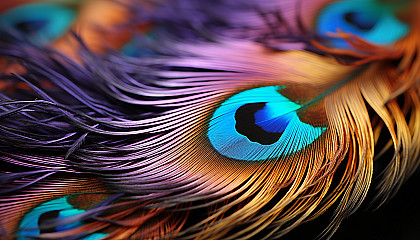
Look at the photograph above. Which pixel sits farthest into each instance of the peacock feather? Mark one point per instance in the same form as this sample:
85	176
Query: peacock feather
183	119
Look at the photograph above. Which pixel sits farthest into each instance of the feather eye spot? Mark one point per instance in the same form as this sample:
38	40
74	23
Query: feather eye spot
259	124
42	22
43	219
372	20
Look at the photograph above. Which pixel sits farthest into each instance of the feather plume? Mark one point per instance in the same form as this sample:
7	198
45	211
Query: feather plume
223	128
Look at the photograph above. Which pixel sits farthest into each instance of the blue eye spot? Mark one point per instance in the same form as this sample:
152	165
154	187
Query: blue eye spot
259	124
43	22
29	226
371	20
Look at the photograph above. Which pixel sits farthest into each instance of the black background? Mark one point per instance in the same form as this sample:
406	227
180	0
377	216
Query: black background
398	219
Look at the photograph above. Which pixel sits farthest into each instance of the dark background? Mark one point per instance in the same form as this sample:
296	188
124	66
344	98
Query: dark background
398	219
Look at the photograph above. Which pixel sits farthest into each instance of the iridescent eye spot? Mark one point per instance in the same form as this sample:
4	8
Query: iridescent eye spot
259	124
37	220
372	20
42	22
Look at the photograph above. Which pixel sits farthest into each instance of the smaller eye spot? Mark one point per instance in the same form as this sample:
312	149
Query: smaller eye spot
41	22
39	220
372	20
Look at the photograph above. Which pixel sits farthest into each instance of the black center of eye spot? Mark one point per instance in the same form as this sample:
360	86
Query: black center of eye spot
351	17
245	125
45	219
31	26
